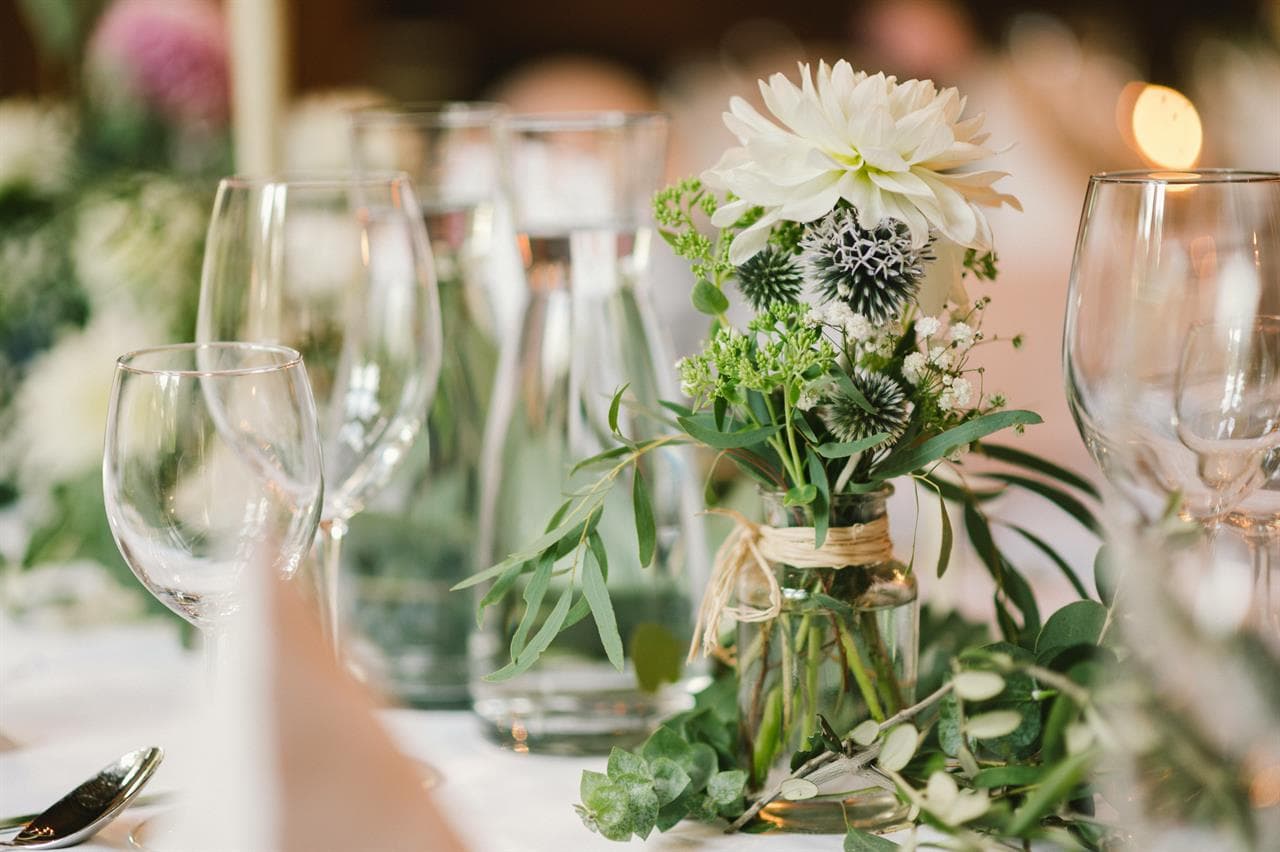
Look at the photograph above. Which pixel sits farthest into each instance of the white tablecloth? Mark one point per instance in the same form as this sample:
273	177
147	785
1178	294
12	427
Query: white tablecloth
75	702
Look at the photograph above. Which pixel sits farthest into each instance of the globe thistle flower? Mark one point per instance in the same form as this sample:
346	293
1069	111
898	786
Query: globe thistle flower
890	409
873	271
770	276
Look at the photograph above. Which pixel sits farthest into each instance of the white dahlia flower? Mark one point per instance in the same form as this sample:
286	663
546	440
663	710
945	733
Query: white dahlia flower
889	149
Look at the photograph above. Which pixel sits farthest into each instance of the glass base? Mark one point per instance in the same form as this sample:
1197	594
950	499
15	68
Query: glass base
870	810
562	717
159	833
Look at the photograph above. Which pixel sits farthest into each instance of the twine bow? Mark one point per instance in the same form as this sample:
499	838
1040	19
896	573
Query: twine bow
753	546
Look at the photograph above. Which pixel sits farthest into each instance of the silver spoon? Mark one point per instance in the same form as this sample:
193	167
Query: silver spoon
81	813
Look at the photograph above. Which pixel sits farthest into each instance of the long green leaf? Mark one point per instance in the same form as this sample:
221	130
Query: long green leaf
614	405
676	408
851	390
534	591
849	448
1057	560
726	440
822	503
908	459
535	547
597	595
611	453
500	587
541	640
646	529
948	537
1064	501
1039	465
962	493
1054	790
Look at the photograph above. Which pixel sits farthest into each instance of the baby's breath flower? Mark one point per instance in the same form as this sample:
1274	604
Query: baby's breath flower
913	367
858	328
928	326
940	357
962	335
962	390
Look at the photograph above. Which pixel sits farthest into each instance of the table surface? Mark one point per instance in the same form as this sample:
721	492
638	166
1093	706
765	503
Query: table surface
76	702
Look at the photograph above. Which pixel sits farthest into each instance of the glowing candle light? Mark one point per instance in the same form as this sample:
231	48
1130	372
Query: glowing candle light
1166	128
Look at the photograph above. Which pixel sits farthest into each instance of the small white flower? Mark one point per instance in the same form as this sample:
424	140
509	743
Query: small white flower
913	367
889	149
962	335
947	400
963	391
813	316
940	357
838	314
858	328
927	326
808	399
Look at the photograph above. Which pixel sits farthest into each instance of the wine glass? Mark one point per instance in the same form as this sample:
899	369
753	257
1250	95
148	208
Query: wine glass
1229	416
339	268
211	462
1157	254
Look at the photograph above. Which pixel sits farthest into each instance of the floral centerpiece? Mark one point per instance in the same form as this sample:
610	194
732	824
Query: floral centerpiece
851	231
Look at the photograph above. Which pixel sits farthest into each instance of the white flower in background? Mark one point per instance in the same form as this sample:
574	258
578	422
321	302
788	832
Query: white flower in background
36	145
889	149
927	326
69	594
60	411
141	246
913	367
317	133
940	358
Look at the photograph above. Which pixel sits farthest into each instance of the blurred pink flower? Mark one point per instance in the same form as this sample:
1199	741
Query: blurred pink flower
170	54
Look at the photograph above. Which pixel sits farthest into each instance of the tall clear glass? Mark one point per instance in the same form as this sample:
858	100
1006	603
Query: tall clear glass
418	539
339	268
580	189
211	467
1159	255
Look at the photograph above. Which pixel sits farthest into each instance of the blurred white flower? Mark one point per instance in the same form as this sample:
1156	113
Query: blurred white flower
317	134
142	247
889	149
858	328
60	411
940	357
37	141
81	593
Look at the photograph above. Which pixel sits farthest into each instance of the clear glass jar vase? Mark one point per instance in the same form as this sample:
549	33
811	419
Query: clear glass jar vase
844	657
580	188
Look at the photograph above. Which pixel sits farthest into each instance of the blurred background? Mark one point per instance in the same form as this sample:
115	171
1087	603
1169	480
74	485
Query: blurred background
116	121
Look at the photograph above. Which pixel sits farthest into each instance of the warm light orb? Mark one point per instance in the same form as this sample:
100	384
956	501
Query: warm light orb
1166	128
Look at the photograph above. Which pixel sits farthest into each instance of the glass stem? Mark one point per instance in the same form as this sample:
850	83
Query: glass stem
1260	547
213	650
328	581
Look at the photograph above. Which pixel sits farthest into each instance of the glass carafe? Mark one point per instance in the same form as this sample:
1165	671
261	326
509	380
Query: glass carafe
419	540
580	189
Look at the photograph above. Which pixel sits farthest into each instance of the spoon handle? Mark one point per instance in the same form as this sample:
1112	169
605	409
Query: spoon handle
10	823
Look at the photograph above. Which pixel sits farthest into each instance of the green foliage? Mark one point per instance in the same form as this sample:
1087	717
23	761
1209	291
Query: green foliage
669	779
658	656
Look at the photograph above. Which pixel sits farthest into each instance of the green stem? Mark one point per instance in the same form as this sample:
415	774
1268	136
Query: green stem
886	680
788	674
794	469
811	678
860	673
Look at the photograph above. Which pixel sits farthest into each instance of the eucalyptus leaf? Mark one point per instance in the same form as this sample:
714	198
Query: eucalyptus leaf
866	732
550	627
597	595
978	685
614	405
850	448
997	723
646	529
1077	623
1044	547
669	780
707	298
1052	792
801	495
798	789
534	591
1022	458
1013	775
857	840
726	440
725	788
1064	501
656	654
911	458
899	746
822	503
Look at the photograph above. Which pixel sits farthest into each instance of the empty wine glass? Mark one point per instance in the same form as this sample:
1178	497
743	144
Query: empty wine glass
1228	406
211	463
1157	254
339	268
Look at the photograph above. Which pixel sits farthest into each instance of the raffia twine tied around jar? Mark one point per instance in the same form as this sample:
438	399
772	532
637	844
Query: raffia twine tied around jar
757	547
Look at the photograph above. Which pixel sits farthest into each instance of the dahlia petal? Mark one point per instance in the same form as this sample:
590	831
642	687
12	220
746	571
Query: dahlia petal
747	115
727	214
750	241
904	209
903	182
813	199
